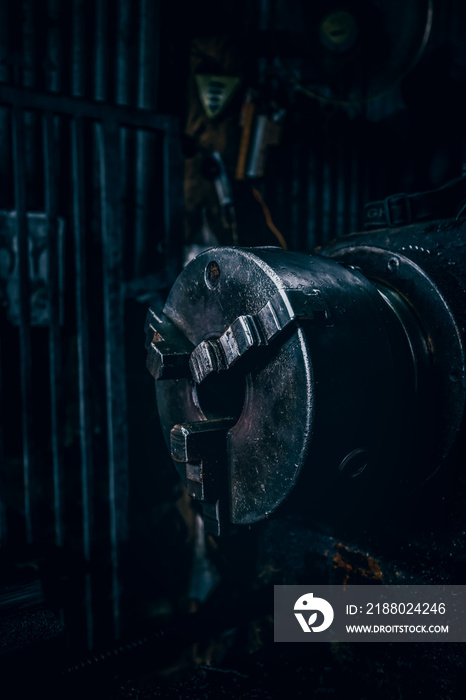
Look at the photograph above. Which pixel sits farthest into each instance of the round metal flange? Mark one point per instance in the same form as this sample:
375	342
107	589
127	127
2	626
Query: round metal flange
394	271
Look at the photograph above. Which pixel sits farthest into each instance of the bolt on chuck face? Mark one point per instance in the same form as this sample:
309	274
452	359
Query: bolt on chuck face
285	382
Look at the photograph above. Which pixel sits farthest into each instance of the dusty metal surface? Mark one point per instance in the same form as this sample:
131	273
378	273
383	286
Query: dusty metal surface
339	370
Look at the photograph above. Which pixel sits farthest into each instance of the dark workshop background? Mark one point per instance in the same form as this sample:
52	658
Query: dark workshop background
101	128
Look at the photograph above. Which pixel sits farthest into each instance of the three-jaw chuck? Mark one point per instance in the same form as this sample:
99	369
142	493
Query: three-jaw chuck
293	382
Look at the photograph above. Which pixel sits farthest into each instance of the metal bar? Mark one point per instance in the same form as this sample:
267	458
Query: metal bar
5	138
19	176
147	99
73	106
101	50
3	521
124	87
29	78
54	63
112	253
55	354
82	328
78	51
149	43
29	41
123	73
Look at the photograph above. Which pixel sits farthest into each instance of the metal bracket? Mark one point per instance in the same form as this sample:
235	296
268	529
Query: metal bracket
168	349
256	330
202	447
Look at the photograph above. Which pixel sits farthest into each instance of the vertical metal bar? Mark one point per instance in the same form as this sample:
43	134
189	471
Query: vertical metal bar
101	50
78	51
3	522
56	394
53	74
147	99
29	41
173	173
123	91
149	43
29	80
123	74
112	253
19	176
4	43
82	328
5	141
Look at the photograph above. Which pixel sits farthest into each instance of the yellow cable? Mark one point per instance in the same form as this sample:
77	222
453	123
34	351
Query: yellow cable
268	218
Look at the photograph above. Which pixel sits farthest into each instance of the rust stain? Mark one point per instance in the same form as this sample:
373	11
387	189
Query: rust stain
355	566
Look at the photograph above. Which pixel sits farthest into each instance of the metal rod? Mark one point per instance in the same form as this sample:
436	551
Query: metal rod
123	91
29	78
82	330
112	249
101	50
78	51
126	116
123	74
147	99
19	176
3	521
55	354
5	137
54	63
149	42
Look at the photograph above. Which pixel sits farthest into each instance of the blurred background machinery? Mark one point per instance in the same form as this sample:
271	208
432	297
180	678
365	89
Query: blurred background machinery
281	120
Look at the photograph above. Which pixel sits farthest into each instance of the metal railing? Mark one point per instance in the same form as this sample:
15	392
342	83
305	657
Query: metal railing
98	133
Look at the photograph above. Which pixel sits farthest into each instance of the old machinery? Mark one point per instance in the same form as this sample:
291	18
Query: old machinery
314	384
